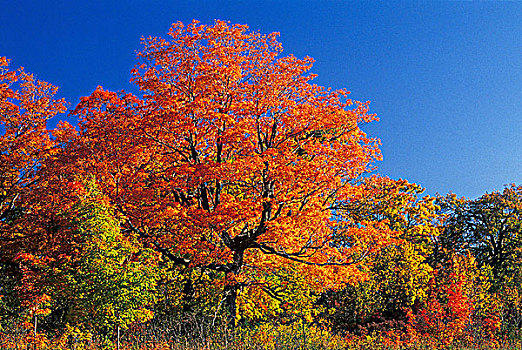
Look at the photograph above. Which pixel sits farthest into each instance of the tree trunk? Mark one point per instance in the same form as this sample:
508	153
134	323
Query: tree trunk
230	296
230	291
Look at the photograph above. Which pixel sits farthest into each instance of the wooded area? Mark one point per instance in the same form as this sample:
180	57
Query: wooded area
233	194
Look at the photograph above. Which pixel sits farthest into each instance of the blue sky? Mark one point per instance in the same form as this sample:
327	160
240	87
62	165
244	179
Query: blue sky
445	78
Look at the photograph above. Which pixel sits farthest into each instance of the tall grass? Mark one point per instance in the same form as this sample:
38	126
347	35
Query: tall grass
193	333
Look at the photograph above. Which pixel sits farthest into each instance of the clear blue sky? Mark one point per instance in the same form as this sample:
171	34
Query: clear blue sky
444	77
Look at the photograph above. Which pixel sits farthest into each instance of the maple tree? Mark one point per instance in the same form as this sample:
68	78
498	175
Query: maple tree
459	308
232	158
26	104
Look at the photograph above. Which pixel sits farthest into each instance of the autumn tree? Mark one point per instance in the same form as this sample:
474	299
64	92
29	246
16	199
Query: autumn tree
406	298
111	283
459	308
489	227
232	158
26	104
398	274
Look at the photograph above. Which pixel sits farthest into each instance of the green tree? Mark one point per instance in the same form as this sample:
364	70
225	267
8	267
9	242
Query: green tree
113	280
489	227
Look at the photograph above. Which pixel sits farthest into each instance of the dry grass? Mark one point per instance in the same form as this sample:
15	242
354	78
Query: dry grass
192	334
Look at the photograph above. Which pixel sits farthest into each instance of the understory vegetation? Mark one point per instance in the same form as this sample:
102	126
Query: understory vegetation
234	204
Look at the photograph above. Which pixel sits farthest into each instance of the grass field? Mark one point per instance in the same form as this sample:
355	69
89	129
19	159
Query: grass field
198	337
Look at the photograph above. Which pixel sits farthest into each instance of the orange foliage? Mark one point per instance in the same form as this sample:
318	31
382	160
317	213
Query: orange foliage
235	166
26	105
231	150
447	312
